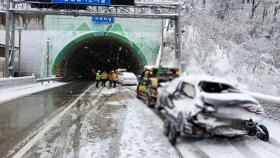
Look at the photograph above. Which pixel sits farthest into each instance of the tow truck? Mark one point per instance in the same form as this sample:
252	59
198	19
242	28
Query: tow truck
151	78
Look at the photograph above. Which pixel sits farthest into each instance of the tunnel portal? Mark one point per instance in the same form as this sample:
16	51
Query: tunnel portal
99	53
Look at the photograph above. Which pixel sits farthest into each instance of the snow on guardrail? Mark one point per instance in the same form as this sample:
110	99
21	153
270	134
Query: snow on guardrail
268	98
14	81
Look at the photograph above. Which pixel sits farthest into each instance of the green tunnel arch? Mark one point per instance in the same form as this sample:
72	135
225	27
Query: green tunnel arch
122	38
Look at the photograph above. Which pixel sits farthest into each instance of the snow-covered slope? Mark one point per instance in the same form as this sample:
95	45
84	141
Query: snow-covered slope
229	38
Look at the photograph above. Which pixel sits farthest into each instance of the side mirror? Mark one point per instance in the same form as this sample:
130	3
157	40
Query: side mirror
176	95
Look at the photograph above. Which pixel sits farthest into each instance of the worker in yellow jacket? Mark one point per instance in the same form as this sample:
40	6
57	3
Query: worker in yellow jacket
114	78
97	78
104	78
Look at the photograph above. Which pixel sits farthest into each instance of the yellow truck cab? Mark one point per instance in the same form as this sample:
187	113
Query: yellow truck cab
150	80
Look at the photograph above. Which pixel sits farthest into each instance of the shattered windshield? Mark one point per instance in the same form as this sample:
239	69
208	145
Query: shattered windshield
215	87
188	90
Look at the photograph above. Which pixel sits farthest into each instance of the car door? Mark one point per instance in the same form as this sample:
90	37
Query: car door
182	100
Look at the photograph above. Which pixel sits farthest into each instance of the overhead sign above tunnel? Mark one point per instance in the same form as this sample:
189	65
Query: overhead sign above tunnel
103	19
95	2
76	4
89	2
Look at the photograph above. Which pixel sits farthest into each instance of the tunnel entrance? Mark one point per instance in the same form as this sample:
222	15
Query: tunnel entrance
99	53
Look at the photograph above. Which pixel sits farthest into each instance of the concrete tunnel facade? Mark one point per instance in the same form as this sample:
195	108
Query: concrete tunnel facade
101	50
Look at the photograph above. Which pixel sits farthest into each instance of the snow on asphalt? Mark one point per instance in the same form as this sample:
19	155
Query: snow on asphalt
142	134
113	125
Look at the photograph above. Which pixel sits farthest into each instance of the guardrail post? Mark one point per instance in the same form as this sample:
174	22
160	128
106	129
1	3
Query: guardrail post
178	34
48	58
178	37
7	47
11	62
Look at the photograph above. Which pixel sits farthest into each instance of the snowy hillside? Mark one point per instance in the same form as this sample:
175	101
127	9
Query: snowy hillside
239	39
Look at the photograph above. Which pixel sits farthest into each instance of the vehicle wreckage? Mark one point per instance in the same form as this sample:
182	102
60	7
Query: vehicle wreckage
204	106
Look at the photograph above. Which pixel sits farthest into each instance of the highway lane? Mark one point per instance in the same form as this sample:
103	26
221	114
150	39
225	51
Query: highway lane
114	123
20	117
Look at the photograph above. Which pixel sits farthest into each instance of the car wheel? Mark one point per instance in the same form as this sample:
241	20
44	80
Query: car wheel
148	101
166	127
252	132
172	135
265	136
180	121
138	96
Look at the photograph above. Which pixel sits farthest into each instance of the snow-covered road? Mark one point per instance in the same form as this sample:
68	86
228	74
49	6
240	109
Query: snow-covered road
109	123
105	123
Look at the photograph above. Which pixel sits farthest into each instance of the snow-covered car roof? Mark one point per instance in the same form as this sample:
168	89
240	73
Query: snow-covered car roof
128	74
196	79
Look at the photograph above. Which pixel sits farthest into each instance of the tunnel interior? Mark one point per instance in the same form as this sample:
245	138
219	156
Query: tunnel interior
99	53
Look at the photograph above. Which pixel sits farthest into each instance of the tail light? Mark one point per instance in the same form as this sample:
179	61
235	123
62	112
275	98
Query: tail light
255	109
177	73
210	109
154	94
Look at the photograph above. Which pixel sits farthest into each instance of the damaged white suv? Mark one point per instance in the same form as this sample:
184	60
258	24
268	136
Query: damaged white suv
206	106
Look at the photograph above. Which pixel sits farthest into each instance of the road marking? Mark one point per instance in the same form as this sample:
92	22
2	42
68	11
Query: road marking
48	126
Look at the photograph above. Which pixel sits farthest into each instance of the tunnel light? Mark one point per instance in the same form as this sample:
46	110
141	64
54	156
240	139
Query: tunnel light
86	47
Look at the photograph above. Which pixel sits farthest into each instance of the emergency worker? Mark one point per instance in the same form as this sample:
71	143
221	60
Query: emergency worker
104	78
110	78
97	78
115	78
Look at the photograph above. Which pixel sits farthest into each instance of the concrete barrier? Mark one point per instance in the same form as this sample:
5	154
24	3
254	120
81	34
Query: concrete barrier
16	81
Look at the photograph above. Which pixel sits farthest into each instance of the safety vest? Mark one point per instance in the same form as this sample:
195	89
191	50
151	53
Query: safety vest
115	77
97	77
104	76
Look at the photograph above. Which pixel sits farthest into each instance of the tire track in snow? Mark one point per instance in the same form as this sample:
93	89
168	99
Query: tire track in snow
264	149
274	142
190	149
215	147
244	149
133	95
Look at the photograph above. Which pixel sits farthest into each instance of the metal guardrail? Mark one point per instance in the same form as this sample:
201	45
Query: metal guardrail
268	98
15	81
42	80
